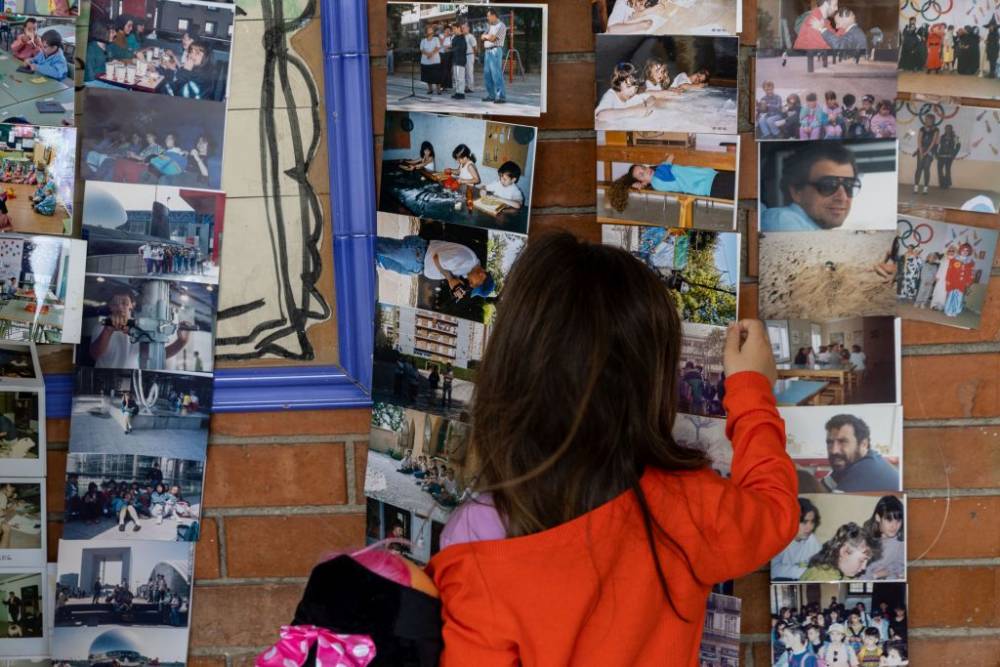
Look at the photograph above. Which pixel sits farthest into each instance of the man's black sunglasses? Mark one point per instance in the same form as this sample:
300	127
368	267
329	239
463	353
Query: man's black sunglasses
828	185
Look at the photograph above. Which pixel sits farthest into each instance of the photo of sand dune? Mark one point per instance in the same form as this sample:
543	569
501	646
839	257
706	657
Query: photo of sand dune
826	275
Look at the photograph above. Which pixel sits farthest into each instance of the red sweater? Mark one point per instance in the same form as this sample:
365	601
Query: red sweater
586	593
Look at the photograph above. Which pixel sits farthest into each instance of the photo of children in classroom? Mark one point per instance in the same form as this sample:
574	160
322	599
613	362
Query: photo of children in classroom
949	156
462	171
678	179
839	625
662	17
680	84
37	179
943	270
36	72
488	59
184	50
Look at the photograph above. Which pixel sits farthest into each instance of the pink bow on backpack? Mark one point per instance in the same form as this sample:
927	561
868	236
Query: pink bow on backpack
332	650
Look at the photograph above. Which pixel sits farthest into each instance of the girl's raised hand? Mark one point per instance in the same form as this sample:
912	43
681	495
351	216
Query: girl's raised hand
749	349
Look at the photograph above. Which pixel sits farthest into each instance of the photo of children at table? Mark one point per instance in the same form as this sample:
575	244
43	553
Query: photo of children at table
36	55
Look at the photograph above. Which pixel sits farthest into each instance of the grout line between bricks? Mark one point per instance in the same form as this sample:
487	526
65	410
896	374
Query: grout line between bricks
220	529
986	347
285	510
286	439
955	562
349	476
251	581
564	135
228	651
952	493
954	632
951	422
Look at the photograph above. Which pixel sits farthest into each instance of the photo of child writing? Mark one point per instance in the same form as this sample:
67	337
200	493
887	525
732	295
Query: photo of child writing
36	84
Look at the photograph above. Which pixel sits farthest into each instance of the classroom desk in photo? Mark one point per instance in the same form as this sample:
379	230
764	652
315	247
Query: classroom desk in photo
840	377
19	93
150	82
418	193
26	527
799	392
16	310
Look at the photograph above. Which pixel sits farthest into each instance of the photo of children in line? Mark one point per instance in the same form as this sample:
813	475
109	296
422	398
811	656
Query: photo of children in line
943	270
467	58
840	625
680	84
701	376
674	178
37	174
949	156
662	17
37	69
843	537
460	171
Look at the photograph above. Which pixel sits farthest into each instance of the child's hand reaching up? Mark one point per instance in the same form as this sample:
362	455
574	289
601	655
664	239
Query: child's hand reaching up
748	349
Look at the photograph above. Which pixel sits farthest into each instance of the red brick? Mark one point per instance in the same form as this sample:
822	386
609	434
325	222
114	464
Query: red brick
376	27
55	487
571	101
564	174
747	186
286	546
754	590
582	226
269	475
56	358
748	31
53	533
360	463
953	597
378	76
963	457
206	661
570	26
57	430
292	422
748	300
241	615
955	651
206	555
925	333
956	528
961	385
761	653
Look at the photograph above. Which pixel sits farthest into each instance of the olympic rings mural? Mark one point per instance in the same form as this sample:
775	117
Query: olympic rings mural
937	110
913	236
930	10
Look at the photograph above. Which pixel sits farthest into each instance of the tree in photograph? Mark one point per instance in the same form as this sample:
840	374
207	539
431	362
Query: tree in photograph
708	295
388	416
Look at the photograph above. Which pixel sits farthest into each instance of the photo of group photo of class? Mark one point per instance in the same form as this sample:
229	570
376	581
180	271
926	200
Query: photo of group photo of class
166	47
37	68
673	83
416	463
467	58
846	449
462	171
37	179
666	178
666	17
949	156
843	625
848	361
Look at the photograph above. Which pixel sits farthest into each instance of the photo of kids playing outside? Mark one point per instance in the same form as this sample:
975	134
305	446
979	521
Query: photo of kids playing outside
839	625
949	156
680	84
36	76
467	58
943	270
37	172
462	171
662	17
701	377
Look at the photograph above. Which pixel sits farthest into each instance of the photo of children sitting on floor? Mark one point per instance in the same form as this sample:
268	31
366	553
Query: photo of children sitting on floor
449	269
662	17
839	625
173	142
426	360
856	449
37	179
114	496
949	156
462	171
140	412
701	268
467	58
701	375
147	230
19	433
677	179
855	537
139	585
183	51
415	463
707	434
953	47
677	84
37	70
943	271
22	522
22	622
848	361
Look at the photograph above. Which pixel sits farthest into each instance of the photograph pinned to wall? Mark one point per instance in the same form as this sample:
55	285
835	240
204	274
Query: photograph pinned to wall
828	275
949	156
426	360
450	269
43	7
22	522
189	132
84	646
415	477
148	324
702	269
662	17
707	434
19	365
488	59
784	25
153	230
22	432
184	51
150	413
701	375
37	75
943	271
846	537
37	173
851	361
949	47
809	185
22	616
720	637
855	449
832	621
675	83
666	178
463	171
26	662
115	496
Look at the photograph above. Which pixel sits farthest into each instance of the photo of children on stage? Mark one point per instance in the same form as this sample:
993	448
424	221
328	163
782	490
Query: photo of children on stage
670	83
662	17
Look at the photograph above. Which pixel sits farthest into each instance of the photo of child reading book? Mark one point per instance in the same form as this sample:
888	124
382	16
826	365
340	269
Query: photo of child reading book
661	17
37	82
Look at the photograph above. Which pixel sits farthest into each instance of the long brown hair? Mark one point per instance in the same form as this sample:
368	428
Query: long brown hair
617	193
576	393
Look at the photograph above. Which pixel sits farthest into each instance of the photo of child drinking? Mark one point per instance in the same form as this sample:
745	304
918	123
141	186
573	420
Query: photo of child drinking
35	68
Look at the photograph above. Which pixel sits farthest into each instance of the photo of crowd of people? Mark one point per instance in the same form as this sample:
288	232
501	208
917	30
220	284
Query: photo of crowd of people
22	522
701	375
663	17
22	618
684	84
841	625
20	424
37	68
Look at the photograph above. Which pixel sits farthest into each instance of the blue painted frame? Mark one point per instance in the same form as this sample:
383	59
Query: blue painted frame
352	186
